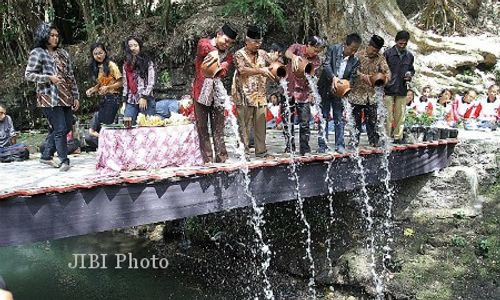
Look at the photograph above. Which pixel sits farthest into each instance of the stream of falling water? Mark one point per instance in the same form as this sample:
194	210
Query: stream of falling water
300	200
388	196
367	209
257	220
329	181
330	184
313	84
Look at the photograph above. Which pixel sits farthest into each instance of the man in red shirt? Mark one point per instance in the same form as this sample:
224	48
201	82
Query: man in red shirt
206	92
298	87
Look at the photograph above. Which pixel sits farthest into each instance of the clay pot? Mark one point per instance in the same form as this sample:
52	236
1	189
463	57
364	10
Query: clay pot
342	87
304	67
211	69
378	79
278	70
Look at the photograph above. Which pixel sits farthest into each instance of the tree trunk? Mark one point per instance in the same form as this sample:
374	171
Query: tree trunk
367	17
337	18
85	8
13	24
113	11
341	17
165	7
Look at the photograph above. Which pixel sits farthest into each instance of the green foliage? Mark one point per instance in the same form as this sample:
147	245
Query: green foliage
33	139
486	246
412	118
51	13
468	72
88	105
495	189
259	11
458	241
165	78
13	38
181	10
3	8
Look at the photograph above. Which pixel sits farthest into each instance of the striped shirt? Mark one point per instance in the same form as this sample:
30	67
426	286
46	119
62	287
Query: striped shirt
42	64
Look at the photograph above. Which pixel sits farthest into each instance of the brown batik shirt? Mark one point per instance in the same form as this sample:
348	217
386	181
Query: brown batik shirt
249	90
42	64
362	93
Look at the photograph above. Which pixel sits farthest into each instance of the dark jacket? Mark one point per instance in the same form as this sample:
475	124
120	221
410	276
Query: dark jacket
398	66
334	56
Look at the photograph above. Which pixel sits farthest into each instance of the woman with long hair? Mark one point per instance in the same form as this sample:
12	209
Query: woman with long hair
138	80
108	77
51	68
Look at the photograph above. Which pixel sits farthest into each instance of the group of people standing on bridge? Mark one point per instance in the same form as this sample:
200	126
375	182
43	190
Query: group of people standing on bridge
297	95
252	78
51	68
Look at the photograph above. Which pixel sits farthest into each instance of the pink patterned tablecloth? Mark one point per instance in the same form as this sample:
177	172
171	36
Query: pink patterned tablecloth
146	148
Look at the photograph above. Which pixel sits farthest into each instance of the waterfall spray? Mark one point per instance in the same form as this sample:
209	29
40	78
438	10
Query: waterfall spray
300	202
257	220
367	209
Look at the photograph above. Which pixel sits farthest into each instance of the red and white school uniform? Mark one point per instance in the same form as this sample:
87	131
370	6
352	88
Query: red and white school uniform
468	110
490	110
425	107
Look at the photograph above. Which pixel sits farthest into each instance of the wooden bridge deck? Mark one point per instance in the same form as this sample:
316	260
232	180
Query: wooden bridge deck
52	205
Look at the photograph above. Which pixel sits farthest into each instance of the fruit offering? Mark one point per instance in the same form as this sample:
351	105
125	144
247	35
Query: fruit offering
149	121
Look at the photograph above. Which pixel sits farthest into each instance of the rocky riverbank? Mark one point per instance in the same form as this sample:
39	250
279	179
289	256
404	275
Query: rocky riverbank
451	249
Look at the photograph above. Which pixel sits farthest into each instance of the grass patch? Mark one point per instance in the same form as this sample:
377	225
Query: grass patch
452	257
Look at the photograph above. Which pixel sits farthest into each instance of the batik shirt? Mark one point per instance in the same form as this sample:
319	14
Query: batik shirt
204	47
41	65
298	88
249	90
144	86
363	93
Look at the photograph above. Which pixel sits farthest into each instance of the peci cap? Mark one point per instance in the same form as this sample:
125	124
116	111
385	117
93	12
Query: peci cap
254	32
377	41
229	31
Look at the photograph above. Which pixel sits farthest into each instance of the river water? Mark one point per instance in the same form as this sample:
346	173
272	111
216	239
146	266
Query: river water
42	271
